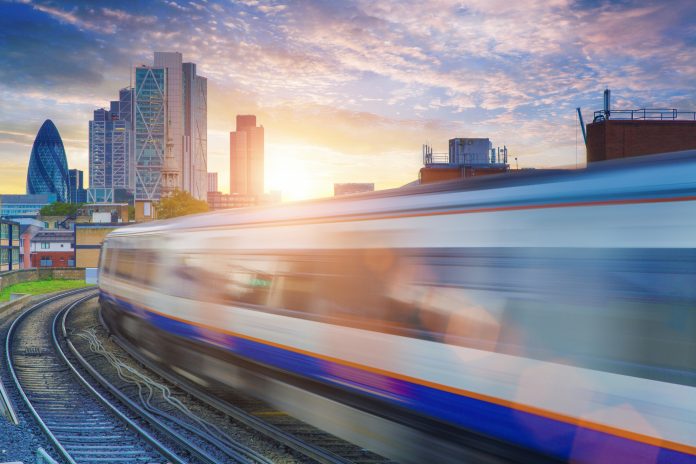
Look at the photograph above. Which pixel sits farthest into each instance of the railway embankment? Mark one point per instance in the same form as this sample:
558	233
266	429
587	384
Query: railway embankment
29	275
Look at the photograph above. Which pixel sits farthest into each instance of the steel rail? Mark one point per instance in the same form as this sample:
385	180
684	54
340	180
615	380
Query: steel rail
4	397
133	406
309	450
162	449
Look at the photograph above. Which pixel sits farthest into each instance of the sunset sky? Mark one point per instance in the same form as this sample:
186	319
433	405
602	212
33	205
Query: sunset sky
348	91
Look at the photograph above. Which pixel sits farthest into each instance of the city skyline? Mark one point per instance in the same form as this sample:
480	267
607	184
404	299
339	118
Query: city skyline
349	92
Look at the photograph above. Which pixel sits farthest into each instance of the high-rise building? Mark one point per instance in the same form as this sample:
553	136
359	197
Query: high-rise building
172	166
195	159
48	166
212	182
77	189
111	172
170	127
110	153
246	157
149	130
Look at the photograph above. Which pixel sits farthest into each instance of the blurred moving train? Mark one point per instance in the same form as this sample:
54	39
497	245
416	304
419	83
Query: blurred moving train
524	317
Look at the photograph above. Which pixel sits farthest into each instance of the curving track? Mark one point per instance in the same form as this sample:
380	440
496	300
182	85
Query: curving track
82	424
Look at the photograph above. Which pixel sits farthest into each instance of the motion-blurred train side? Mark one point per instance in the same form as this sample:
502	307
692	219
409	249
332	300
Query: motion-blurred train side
546	315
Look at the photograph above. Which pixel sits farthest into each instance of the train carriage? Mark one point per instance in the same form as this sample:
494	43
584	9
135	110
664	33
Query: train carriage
537	316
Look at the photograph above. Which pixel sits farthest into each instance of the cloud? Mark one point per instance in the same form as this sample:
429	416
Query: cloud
358	79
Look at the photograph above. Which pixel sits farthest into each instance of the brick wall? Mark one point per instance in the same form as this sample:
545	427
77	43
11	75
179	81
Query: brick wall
29	275
622	139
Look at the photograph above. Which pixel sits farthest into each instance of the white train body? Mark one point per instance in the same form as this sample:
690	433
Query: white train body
555	313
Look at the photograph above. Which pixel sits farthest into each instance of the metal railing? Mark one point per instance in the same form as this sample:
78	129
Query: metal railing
652	114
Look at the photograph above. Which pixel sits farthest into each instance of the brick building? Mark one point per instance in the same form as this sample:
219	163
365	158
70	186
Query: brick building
617	138
52	248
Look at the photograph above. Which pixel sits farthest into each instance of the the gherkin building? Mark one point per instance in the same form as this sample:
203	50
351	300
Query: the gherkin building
48	167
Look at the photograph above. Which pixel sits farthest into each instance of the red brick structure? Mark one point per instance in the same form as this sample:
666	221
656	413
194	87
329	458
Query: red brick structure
612	139
53	259
432	174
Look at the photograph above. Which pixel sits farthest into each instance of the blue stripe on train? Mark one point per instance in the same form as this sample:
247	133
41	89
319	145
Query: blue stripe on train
556	438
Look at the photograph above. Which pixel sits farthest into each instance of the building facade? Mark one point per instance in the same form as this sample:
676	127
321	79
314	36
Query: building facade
195	154
24	206
170	125
212	182
353	188
467	157
609	139
247	157
150	131
9	245
53	248
78	194
112	176
48	166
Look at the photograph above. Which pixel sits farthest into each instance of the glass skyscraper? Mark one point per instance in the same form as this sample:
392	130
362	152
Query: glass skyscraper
153	140
77	190
149	131
111	151
48	166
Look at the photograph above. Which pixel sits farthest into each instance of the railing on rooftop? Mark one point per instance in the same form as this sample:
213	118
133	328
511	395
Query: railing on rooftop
652	114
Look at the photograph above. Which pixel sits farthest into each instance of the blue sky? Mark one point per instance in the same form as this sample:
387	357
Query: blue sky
348	91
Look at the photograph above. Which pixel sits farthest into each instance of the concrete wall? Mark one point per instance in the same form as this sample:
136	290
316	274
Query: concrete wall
29	275
622	139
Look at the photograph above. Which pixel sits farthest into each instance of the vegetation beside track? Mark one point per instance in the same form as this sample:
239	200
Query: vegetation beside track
39	287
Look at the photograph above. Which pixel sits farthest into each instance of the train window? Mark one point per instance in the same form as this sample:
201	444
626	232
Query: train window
125	264
105	260
147	263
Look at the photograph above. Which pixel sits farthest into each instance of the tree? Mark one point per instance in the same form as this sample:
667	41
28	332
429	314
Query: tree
60	209
180	204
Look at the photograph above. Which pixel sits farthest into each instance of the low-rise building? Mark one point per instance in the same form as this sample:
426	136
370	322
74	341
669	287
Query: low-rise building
104	212
16	206
219	200
28	228
52	248
467	157
88	242
353	188
9	245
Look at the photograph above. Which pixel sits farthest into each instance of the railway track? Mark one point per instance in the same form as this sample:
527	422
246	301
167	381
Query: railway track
83	424
155	402
316	445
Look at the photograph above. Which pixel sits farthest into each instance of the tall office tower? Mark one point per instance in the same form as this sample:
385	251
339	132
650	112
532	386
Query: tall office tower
172	165
150	130
195	155
110	155
77	189
212	182
171	124
246	157
124	152
48	166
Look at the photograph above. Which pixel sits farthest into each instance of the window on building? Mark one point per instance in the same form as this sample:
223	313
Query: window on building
71	263
46	262
4	232
45	245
